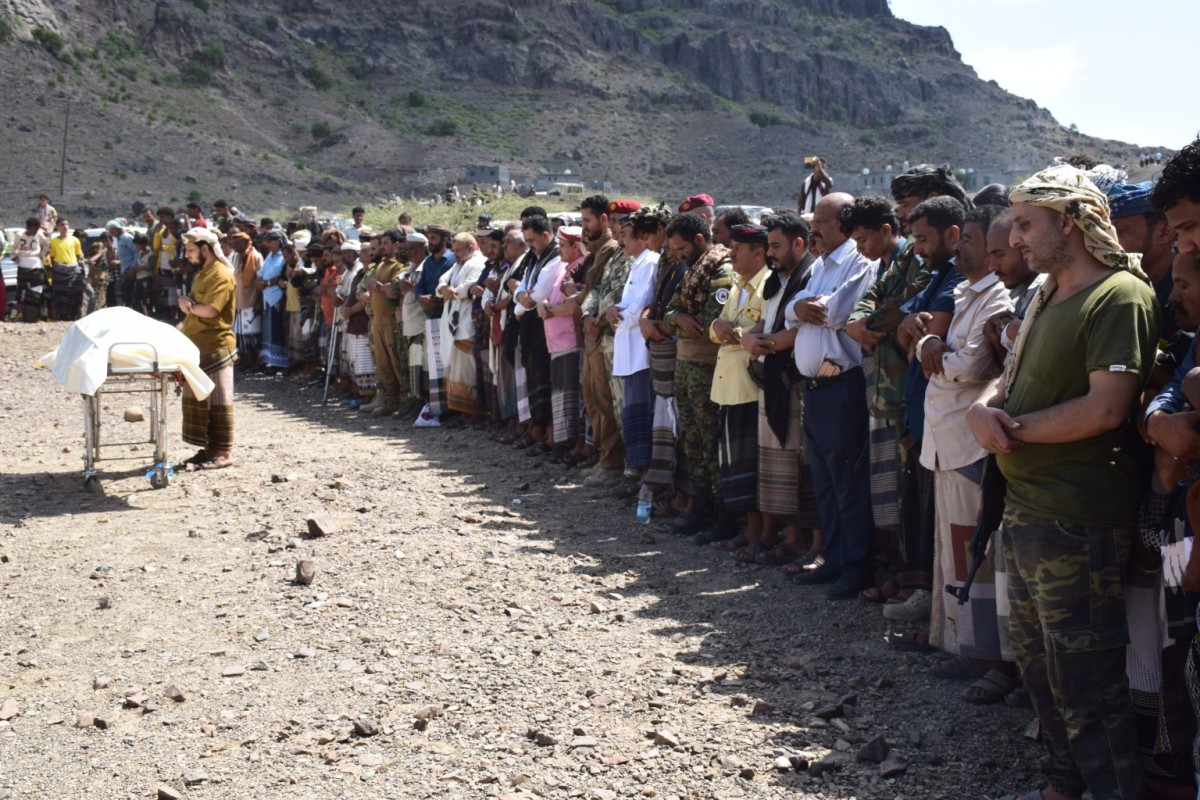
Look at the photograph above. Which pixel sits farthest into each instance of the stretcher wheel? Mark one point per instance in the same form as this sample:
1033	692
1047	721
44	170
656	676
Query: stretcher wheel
160	479
91	484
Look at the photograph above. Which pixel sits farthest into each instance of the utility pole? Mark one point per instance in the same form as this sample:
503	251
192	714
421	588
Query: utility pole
62	170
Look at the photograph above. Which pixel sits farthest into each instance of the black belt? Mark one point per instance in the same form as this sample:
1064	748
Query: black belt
820	383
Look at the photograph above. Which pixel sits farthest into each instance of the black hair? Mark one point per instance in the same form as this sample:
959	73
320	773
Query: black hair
1180	179
220	204
648	220
994	194
734	216
926	179
688	226
597	204
533	211
170	212
396	236
140	238
871	213
358	210
265	221
33	222
536	223
941	212
791	223
984	215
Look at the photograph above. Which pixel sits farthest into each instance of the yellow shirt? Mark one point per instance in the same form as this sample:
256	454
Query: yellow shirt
732	384
213	286
66	250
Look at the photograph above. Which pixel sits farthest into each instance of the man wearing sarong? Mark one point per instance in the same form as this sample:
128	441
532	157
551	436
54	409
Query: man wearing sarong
208	323
959	366
785	489
597	215
247	324
540	275
561	322
734	391
696	303
497	305
411	335
631	359
458	327
271	282
66	273
1060	423
30	252
873	324
439	260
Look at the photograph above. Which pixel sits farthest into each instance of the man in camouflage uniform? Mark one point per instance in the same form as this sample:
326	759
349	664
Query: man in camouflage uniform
873	324
597	396
1060	423
697	302
607	292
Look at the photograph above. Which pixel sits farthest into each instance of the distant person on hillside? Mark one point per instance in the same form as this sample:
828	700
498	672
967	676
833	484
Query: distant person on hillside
221	217
816	186
46	214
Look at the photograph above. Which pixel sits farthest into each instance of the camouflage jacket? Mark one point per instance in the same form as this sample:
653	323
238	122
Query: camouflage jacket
903	277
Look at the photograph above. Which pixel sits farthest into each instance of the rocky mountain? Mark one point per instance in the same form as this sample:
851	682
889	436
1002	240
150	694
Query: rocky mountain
281	102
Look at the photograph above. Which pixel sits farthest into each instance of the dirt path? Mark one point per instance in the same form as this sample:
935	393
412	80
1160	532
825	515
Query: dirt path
551	648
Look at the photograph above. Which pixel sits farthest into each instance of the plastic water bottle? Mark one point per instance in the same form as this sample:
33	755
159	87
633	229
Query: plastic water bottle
645	501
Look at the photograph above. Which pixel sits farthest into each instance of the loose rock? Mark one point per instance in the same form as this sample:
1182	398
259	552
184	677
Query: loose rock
305	572
321	524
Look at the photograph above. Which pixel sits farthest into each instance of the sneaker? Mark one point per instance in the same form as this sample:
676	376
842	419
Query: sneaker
915	609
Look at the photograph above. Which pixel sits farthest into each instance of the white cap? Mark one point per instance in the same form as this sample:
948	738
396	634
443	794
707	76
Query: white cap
352	244
201	235
417	238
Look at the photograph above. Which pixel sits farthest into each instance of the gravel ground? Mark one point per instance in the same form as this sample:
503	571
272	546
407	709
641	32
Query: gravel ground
453	643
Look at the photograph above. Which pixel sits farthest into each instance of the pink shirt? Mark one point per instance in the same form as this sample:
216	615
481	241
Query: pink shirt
561	332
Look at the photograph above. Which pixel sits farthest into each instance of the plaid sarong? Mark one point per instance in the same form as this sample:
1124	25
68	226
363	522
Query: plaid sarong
565	394
637	417
738	456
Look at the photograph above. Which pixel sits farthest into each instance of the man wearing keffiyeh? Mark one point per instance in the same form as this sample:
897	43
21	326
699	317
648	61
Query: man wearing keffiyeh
1060	424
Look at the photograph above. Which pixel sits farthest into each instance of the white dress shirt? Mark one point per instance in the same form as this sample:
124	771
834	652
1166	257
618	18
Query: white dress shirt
839	280
629	346
969	366
460	278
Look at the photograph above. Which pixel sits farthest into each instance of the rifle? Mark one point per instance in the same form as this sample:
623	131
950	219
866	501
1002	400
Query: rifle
991	514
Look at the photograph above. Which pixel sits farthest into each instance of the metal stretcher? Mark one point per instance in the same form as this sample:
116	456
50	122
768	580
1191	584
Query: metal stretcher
151	380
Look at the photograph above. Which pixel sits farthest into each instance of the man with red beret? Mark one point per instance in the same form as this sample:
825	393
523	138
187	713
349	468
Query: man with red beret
699	204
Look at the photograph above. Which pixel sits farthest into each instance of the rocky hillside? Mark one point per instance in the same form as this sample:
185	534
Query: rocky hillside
285	101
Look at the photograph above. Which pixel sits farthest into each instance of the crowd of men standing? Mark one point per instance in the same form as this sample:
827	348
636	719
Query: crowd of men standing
845	394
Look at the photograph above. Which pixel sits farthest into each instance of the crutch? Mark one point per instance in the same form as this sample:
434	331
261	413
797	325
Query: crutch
329	358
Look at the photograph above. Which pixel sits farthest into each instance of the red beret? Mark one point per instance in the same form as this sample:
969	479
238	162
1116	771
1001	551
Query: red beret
696	201
623	206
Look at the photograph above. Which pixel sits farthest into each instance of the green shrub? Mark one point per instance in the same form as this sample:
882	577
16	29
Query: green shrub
49	40
358	70
203	5
212	53
194	196
510	34
6	31
272	22
416	99
318	77
320	130
195	73
763	119
444	127
867	140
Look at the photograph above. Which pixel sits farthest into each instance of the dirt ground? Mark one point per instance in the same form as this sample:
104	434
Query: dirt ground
454	643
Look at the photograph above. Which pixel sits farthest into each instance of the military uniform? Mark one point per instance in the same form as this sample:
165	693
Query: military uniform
694	366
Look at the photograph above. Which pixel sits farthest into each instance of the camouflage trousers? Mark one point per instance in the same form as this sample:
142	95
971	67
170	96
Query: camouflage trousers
698	435
1069	633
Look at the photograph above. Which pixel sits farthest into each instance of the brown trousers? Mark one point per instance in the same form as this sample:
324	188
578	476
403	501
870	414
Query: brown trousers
597	398
389	372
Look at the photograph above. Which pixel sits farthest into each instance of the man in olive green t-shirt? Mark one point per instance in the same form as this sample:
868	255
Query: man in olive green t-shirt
1061	425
